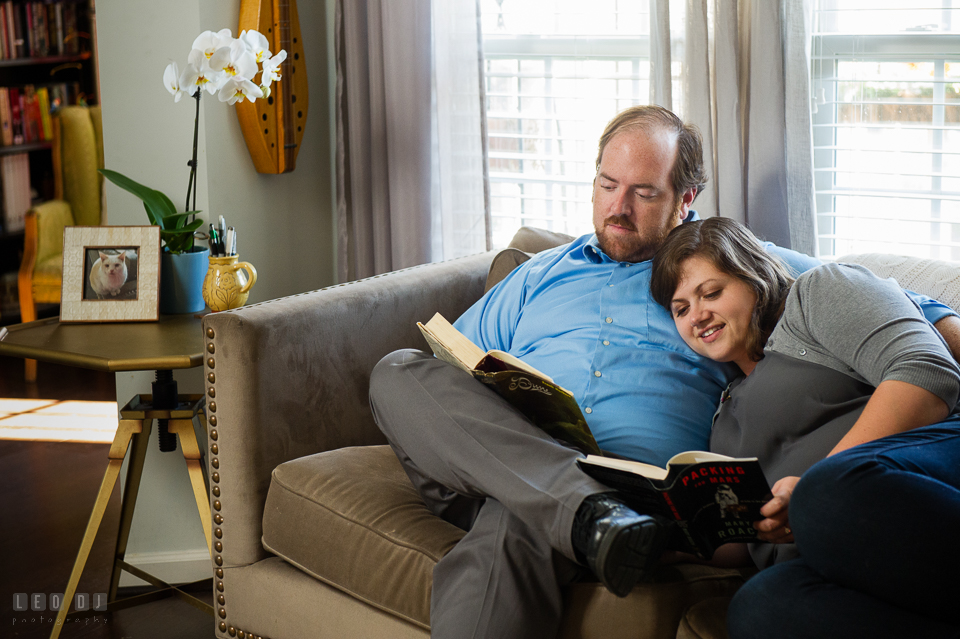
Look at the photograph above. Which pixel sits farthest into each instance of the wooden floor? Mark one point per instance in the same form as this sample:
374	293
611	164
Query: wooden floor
46	493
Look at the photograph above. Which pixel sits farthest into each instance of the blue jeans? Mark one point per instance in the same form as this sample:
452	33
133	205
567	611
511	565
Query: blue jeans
878	529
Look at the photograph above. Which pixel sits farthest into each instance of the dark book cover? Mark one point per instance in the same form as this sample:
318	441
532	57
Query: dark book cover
30	33
40	29
19	31
552	408
57	28
714	499
71	35
16	115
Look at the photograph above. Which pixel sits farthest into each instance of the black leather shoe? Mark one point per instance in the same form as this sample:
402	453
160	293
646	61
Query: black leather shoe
620	546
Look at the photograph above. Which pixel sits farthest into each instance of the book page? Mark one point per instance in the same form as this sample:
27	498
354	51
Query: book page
697	456
626	465
519	364
449	344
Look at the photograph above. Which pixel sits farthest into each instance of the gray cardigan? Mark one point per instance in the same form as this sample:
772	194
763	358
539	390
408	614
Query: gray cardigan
843	332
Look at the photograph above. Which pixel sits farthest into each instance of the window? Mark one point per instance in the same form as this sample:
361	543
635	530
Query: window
556	71
886	125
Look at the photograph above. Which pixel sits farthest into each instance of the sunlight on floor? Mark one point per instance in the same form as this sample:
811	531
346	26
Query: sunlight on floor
55	420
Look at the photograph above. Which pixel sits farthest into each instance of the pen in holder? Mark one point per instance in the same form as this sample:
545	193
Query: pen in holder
228	283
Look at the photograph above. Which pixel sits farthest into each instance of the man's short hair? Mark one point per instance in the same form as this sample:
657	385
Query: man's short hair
688	171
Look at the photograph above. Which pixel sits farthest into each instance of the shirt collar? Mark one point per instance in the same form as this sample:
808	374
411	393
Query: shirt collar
593	253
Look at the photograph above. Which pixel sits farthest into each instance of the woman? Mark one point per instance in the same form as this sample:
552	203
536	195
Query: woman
832	361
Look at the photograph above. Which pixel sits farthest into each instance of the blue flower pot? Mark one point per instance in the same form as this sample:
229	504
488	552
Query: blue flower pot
181	281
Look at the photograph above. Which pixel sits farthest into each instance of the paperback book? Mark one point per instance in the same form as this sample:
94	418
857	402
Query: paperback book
714	499
533	393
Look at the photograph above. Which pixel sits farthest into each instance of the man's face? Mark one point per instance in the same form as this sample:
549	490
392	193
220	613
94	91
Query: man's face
634	205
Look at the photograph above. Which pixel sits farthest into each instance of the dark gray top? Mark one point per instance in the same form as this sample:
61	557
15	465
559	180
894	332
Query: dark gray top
843	331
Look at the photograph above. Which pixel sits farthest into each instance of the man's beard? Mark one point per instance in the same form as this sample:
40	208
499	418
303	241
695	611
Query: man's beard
634	248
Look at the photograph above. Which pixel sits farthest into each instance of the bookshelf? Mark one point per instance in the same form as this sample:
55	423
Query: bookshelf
45	47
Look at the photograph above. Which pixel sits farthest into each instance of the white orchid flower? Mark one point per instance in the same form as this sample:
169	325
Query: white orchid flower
237	88
271	68
236	61
171	80
212	80
208	42
257	43
195	78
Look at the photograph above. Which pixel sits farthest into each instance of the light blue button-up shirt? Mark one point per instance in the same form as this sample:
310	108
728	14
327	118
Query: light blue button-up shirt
590	323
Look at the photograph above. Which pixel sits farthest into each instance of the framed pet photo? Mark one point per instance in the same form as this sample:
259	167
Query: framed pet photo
110	274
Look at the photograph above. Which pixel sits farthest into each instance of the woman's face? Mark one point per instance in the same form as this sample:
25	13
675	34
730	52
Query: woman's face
712	311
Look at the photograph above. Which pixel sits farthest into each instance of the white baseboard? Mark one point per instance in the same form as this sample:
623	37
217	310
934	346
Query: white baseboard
179	567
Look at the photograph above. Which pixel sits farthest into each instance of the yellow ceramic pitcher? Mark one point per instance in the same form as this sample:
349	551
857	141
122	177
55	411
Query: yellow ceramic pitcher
228	283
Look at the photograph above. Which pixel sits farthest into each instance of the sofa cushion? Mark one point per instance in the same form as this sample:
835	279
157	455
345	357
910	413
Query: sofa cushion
705	619
533	240
935	278
527	242
503	264
352	519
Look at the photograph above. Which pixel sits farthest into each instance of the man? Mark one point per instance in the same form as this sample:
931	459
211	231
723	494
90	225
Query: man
583	314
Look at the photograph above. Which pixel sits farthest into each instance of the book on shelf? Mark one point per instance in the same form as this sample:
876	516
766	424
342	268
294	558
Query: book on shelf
533	393
16	115
15	183
32	123
71	33
26	111
6	128
8	20
714	499
43	98
40	29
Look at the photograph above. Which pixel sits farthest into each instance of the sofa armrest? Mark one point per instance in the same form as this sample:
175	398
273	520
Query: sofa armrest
290	377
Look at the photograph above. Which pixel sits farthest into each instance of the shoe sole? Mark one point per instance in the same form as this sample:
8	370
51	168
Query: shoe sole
629	555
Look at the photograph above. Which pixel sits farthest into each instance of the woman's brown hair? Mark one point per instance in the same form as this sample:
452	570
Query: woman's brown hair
733	250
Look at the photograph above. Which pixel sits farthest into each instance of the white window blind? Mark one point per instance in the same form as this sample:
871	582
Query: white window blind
886	124
556	71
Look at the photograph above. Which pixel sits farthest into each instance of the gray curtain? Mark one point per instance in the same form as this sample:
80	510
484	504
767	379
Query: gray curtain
393	146
746	85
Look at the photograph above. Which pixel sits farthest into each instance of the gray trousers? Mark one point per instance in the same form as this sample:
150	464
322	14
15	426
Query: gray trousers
479	464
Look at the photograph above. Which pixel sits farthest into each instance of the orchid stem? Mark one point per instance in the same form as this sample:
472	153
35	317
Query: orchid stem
192	183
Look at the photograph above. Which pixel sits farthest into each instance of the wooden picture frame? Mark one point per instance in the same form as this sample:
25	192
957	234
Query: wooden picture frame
110	274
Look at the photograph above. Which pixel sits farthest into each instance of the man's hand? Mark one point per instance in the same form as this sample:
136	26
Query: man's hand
776	527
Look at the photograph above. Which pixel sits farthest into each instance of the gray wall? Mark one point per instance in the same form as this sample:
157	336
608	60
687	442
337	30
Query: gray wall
284	222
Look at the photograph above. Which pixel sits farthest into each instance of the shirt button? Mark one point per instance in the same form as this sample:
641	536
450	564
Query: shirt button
610	285
606	342
596	373
609	320
588	410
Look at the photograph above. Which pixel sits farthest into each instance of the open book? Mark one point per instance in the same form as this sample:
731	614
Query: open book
713	498
533	393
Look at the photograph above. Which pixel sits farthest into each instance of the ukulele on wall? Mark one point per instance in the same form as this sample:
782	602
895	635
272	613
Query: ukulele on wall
273	128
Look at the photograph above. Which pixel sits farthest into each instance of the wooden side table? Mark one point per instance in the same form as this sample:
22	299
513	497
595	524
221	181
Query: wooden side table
174	342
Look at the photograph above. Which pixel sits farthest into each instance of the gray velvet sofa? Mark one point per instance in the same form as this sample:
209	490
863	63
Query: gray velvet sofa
317	531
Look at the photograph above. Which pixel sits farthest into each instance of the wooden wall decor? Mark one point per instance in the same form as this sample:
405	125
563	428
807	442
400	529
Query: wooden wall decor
273	128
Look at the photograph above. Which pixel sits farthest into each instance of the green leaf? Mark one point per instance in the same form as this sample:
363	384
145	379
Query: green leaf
175	221
156	204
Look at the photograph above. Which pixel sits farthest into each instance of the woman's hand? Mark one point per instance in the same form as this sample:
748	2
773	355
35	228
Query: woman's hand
776	527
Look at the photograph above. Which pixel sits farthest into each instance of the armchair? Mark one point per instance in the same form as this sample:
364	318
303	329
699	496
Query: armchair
77	154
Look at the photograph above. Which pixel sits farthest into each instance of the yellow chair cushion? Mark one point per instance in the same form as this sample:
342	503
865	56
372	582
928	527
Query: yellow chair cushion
80	159
47	280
